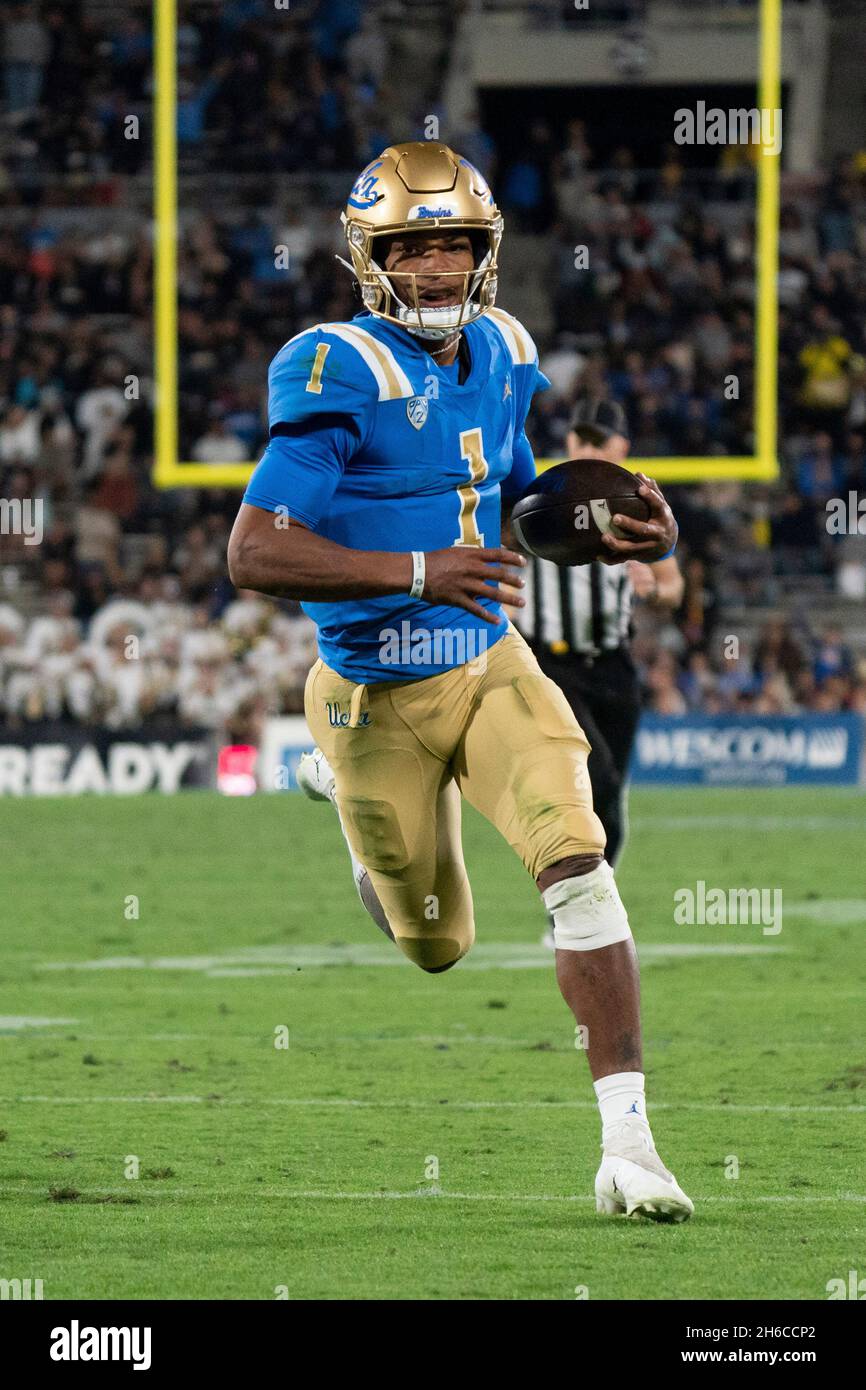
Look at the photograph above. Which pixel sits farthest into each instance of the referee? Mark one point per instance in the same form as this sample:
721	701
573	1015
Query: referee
577	620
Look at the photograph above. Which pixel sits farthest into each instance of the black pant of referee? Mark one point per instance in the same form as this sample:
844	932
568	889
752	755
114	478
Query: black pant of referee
604	692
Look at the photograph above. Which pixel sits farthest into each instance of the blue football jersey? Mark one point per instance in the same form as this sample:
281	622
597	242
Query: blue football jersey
377	448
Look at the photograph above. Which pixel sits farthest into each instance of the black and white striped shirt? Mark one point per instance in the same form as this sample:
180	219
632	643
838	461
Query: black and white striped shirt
579	608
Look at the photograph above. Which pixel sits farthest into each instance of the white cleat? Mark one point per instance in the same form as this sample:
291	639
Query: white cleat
633	1181
314	776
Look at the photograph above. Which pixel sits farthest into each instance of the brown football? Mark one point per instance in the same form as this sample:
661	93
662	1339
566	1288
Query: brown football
565	511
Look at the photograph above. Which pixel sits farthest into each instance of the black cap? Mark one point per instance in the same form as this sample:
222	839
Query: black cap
596	420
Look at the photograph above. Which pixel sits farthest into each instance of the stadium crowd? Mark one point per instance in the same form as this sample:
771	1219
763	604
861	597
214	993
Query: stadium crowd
316	73
124	614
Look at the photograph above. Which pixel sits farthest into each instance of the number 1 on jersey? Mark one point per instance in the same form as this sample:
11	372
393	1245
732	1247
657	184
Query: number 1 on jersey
315	382
471	449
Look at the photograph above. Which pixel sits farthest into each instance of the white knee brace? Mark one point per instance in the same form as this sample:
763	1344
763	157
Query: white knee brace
587	911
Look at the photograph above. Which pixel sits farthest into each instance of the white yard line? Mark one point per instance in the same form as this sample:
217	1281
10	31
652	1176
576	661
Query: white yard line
748	822
256	961
141	1189
342	1102
17	1023
830	911
307	1042
432	1192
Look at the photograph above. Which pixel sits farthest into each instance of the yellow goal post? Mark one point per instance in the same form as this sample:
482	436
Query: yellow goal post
169	471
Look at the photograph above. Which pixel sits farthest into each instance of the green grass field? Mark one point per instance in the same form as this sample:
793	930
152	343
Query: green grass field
309	1168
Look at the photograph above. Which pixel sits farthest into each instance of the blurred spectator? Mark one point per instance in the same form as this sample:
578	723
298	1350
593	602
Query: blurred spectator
99	410
826	387
19	436
778	650
821	471
26	50
219	445
832	657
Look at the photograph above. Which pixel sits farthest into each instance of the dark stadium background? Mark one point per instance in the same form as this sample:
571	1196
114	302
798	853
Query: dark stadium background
275	119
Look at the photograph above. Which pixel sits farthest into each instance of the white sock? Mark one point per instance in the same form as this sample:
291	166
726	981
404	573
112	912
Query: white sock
621	1097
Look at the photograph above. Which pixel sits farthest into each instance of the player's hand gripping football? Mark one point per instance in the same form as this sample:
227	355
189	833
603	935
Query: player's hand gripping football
652	538
464	573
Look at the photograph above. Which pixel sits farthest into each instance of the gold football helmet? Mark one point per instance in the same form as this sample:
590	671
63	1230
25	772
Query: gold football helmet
413	186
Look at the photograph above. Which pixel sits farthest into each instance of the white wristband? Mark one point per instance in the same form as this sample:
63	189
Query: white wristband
419	574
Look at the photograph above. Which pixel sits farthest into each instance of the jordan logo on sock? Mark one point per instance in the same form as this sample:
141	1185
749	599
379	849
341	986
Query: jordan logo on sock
634	1110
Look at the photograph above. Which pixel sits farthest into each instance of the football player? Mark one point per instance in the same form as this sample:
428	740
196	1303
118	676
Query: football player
377	503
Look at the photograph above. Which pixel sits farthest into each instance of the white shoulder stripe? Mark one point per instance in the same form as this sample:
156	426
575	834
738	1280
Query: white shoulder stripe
390	377
517	339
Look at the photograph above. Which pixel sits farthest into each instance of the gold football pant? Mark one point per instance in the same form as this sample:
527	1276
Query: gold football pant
494	729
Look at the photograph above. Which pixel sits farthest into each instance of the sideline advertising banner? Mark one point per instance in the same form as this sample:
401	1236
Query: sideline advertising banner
739	750
67	759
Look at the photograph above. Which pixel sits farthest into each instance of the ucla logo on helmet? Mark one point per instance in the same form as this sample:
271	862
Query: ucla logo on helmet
363	194
417	409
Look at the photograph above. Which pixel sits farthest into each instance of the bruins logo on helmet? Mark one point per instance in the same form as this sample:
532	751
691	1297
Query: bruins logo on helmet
410	187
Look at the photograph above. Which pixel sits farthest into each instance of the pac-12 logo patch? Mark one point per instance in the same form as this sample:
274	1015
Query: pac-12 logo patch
418	408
